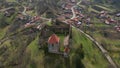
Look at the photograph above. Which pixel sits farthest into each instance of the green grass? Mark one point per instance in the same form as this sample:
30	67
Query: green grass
32	13
36	54
11	0
93	57
49	23
34	57
61	42
90	9
2	32
112	45
104	8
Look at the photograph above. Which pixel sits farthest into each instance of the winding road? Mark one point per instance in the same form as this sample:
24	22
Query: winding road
24	11
102	49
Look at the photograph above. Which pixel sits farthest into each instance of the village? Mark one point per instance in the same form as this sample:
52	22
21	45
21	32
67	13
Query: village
55	32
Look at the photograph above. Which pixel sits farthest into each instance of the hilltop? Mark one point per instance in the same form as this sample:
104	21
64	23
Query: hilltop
27	25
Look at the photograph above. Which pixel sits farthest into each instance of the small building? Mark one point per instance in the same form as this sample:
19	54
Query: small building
118	14
53	43
110	21
103	14
66	51
88	21
117	28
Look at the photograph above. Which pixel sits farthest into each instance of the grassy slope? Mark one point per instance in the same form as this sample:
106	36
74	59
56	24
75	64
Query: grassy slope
2	32
36	55
113	45
93	57
11	0
108	9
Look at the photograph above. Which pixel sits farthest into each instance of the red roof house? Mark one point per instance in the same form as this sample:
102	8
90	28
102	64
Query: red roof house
53	43
53	39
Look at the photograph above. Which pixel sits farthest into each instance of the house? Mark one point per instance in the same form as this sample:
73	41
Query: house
107	22
61	17
28	25
117	28
53	43
66	51
67	13
103	14
110	20
118	14
48	34
88	21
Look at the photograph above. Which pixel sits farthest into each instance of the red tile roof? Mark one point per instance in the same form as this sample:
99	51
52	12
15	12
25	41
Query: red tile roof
53	39
66	50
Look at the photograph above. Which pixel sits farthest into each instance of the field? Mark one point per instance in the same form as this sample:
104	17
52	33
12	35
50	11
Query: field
93	57
108	37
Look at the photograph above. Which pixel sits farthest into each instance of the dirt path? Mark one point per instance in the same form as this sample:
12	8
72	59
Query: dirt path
14	34
2	10
24	11
104	52
72	9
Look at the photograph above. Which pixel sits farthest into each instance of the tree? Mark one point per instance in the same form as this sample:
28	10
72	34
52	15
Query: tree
47	5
